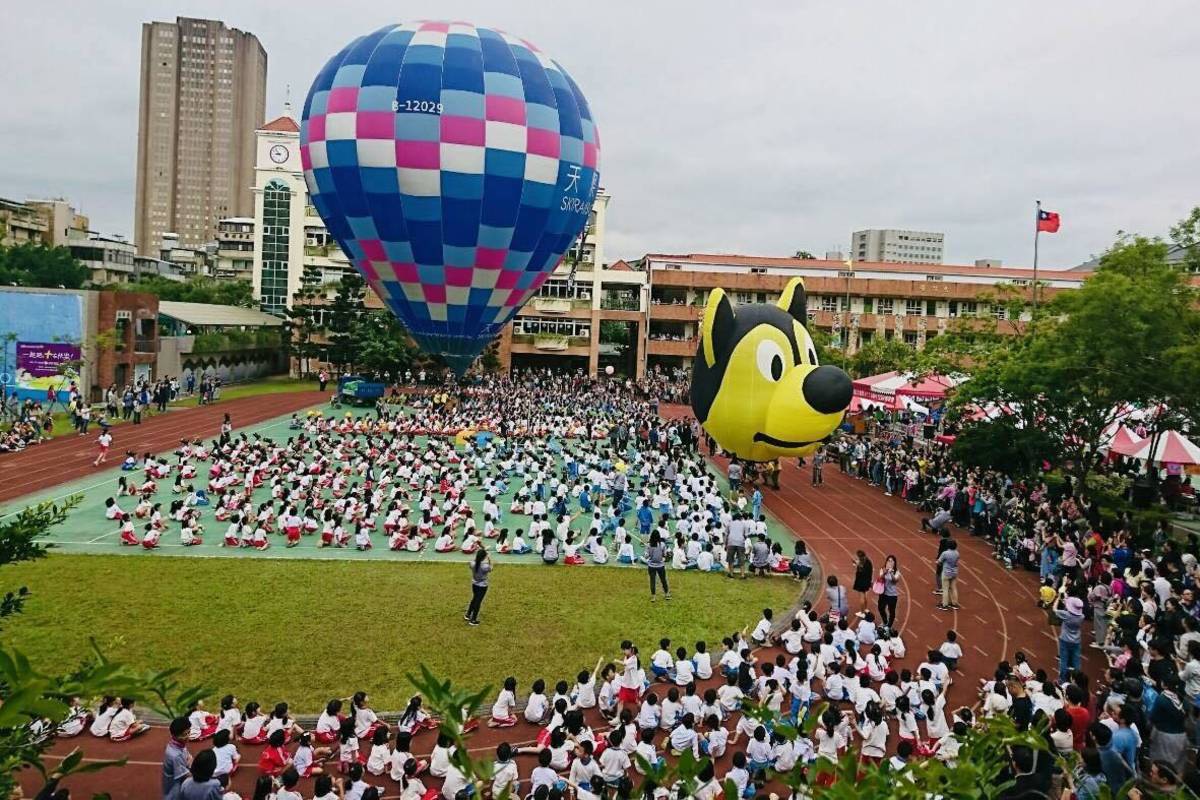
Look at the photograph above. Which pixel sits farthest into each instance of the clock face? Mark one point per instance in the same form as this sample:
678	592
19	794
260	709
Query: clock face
279	154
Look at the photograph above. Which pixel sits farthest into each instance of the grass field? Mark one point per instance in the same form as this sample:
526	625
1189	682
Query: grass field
280	384
305	631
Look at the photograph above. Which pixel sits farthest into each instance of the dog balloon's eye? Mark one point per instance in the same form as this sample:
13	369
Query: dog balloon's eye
770	360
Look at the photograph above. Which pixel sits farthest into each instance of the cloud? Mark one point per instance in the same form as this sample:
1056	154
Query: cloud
759	128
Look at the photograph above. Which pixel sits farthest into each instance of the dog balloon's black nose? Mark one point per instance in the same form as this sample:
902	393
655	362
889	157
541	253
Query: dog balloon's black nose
827	389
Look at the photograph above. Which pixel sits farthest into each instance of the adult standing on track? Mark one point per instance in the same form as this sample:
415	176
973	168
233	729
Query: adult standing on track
890	577
656	565
1070	633
481	568
948	560
864	573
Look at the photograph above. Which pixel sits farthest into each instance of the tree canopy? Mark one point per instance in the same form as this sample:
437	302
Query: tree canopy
881	355
1129	335
194	290
36	265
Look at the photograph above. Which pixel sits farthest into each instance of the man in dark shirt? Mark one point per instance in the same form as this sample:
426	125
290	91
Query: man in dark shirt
1028	783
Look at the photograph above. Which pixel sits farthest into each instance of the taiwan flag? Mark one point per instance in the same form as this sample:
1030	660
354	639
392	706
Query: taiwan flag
1047	221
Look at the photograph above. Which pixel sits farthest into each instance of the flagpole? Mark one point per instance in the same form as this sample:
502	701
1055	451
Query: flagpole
1037	231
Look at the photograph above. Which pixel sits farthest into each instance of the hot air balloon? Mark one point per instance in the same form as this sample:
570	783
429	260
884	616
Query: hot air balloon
454	165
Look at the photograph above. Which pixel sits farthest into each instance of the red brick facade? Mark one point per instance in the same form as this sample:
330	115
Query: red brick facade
138	345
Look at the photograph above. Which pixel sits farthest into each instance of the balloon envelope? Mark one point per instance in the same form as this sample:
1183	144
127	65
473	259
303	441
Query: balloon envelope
454	165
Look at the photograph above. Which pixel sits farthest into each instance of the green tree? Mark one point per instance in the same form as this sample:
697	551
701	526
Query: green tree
194	290
881	355
383	344
489	359
304	324
614	331
341	316
1128	335
31	694
1186	234
1005	444
804	254
823	344
40	266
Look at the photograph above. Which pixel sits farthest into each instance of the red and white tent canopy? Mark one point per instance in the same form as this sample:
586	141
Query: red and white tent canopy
890	385
860	404
1120	439
1172	447
975	413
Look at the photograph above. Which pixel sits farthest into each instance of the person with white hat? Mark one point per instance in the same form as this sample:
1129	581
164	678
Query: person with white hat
1070	611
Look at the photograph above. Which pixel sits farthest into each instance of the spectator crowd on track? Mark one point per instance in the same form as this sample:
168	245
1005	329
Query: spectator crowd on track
1128	594
32	421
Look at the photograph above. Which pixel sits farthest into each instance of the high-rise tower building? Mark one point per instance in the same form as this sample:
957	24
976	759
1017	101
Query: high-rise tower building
203	94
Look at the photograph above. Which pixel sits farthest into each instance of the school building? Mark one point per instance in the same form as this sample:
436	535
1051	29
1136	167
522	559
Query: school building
646	314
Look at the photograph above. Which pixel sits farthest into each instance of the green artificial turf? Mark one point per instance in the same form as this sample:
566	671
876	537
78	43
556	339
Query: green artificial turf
305	631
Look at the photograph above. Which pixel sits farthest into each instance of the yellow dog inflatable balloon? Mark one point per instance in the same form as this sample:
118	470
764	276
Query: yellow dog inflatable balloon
756	385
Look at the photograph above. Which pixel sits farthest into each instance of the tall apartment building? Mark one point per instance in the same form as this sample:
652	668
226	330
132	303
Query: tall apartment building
891	246
203	93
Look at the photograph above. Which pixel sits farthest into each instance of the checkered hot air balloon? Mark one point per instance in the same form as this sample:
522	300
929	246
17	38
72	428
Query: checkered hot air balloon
454	165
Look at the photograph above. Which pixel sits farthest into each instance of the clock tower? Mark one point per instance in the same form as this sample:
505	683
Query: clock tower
280	197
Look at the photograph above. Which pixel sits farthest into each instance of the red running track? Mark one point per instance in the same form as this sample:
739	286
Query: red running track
68	457
999	617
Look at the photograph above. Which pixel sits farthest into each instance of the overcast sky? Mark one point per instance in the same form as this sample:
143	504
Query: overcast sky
755	128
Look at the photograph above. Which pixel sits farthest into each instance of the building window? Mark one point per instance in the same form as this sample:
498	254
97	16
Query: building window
913	307
887	305
277	207
534	326
999	311
828	303
868	305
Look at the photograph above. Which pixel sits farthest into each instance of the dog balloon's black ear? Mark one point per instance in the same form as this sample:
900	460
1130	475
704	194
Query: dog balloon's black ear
716	327
794	300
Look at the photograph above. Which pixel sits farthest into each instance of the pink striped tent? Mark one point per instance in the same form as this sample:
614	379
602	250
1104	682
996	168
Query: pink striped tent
1121	440
1172	447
